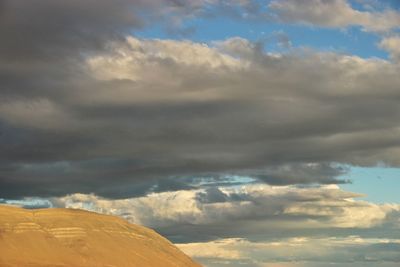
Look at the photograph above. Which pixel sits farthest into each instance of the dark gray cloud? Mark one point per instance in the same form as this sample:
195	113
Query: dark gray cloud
51	30
84	108
31	27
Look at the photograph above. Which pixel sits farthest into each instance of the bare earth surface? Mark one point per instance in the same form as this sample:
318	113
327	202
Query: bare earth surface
76	238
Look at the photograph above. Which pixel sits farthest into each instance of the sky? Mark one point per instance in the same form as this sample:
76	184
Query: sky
249	133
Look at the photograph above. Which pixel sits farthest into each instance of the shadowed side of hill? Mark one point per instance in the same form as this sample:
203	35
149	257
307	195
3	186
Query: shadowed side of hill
76	238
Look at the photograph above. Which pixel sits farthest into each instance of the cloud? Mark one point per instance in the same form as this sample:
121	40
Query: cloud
47	30
86	107
392	45
143	113
301	174
334	14
222	212
299	251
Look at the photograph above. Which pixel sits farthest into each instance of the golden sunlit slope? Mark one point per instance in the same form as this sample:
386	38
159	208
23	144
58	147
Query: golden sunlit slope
76	238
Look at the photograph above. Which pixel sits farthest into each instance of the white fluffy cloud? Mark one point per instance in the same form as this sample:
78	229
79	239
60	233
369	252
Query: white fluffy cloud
138	53
277	207
392	45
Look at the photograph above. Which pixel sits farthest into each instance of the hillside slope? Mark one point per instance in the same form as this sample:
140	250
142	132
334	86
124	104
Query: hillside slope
76	238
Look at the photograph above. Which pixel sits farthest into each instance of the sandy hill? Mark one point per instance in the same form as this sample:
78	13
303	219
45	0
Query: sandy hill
76	238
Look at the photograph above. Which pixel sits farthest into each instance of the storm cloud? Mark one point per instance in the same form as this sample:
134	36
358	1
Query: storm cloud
87	107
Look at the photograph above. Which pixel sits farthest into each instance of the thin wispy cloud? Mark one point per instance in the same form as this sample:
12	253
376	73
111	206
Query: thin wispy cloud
335	14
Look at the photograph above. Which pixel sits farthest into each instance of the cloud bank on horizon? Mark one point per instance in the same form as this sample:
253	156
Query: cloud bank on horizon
221	144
